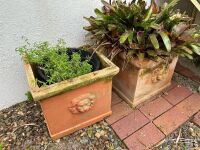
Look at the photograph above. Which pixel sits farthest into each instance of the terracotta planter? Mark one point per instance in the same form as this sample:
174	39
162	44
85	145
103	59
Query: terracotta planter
140	80
76	103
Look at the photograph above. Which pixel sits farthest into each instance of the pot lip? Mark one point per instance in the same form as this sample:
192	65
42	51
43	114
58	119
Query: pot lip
40	93
143	64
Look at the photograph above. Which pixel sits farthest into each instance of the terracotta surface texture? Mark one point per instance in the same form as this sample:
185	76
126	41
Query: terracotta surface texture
137	81
76	103
61	120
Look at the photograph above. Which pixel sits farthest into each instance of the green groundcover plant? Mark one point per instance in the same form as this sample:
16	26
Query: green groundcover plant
144	32
54	61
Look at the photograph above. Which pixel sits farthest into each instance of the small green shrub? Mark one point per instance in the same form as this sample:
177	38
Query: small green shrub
29	96
144	32
54	61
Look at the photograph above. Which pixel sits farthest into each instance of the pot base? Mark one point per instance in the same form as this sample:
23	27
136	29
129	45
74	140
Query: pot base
78	126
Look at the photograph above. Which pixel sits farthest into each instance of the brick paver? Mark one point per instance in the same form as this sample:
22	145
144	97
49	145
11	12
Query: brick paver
177	94
173	85
115	99
190	105
134	144
170	120
129	124
119	111
155	108
143	127
196	119
147	136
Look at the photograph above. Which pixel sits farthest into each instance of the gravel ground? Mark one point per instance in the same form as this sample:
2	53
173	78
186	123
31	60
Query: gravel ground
184	81
187	137
22	127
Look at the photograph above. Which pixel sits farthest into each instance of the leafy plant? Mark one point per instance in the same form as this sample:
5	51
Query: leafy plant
29	96
54	61
144	32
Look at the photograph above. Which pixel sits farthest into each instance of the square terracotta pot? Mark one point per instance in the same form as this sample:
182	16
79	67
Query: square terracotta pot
76	103
140	80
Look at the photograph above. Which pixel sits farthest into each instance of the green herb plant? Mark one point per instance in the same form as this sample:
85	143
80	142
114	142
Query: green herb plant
54	61
144	32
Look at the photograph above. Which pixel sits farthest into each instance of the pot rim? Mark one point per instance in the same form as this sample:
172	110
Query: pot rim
143	64
108	71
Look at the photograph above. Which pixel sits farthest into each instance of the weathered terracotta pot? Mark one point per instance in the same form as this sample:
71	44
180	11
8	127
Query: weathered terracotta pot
76	103
140	80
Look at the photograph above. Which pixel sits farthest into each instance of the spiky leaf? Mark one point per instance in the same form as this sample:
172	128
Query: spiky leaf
130	37
188	55
123	37
154	41
166	41
186	49
196	49
149	12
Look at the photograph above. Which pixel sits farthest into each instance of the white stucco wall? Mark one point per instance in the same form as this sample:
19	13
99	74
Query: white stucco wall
38	20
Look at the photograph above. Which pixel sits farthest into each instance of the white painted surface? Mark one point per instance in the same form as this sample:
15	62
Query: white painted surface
38	20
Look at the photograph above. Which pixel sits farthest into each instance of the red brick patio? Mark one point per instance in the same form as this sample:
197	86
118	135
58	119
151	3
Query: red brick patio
150	123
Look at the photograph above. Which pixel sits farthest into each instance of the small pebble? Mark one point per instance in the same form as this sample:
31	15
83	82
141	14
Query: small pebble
98	135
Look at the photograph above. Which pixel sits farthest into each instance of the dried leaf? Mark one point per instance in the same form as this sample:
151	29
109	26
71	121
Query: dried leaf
179	29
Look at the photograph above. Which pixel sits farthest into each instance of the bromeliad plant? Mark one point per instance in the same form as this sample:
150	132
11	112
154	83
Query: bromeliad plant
54	61
144	32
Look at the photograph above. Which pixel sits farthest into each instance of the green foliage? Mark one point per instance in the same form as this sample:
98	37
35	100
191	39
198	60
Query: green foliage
1	146
54	61
28	148
146	32
29	96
